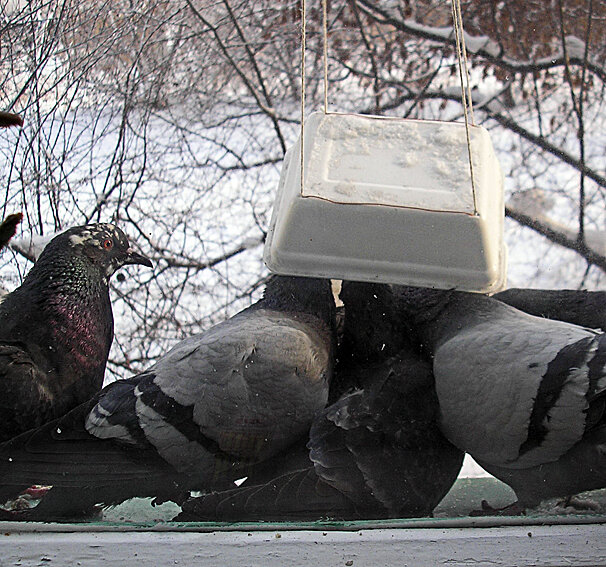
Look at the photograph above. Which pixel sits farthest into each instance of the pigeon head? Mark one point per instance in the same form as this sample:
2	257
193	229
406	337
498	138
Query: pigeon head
300	294
102	246
371	330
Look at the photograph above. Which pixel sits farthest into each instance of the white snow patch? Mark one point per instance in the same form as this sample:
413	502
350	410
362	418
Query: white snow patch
575	48
31	247
471	469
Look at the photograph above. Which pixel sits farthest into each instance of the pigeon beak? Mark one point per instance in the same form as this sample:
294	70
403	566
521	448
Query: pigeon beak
133	257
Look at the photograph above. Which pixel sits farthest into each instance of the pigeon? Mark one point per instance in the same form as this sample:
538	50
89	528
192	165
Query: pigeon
199	418
380	444
57	327
8	119
581	307
524	395
284	488
8	228
375	452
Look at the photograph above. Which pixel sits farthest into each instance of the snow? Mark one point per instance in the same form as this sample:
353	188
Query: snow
575	48
473	44
481	43
422	164
32	246
471	469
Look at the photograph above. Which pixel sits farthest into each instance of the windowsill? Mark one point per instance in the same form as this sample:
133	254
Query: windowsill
545	537
90	546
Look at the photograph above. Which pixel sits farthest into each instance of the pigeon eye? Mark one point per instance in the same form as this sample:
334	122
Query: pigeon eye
108	243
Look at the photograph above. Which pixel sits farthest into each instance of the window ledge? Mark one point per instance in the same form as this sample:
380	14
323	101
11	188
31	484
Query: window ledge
28	544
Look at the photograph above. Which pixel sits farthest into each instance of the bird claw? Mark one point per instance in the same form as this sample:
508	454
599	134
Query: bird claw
579	504
515	509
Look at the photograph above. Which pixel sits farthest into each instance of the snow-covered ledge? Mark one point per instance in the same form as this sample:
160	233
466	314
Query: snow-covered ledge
520	545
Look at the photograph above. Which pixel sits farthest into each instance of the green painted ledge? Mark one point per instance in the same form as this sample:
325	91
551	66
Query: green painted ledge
453	512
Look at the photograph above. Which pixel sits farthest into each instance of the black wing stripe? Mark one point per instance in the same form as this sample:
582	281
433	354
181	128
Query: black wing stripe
178	416
116	406
597	369
568	359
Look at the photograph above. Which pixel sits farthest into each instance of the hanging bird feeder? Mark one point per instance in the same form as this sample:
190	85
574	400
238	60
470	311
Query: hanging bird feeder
390	200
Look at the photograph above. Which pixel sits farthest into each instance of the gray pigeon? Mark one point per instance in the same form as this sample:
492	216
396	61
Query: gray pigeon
56	329
376	452
199	418
522	394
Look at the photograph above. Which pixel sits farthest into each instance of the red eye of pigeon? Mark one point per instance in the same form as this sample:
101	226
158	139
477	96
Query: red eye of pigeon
108	244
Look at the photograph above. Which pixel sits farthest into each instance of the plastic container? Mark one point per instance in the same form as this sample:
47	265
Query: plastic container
390	200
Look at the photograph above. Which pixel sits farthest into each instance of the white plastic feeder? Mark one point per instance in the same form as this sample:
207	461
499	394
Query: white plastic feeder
390	200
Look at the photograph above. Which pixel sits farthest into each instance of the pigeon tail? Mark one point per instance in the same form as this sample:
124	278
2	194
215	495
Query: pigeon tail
8	228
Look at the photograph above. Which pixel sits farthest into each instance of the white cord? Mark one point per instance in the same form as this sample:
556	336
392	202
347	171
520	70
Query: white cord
303	48
325	37
465	94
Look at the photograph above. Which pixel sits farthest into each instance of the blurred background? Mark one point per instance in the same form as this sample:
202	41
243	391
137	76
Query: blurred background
172	117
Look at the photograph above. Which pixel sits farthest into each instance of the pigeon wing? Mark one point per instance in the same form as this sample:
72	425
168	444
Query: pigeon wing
513	389
240	392
26	401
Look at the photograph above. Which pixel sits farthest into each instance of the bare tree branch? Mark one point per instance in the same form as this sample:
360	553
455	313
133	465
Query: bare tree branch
558	238
490	51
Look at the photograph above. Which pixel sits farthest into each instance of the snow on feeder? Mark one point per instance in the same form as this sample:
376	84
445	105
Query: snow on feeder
378	199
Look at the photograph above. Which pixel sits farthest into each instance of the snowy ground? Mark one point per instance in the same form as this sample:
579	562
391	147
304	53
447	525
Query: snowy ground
471	469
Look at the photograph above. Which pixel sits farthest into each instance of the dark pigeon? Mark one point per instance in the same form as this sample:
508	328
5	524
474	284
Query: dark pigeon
380	445
56	329
199	418
8	119
524	395
581	307
376	452
8	228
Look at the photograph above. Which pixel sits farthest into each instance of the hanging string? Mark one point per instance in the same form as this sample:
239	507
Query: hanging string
325	60
461	47
465	93
303	49
325	38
